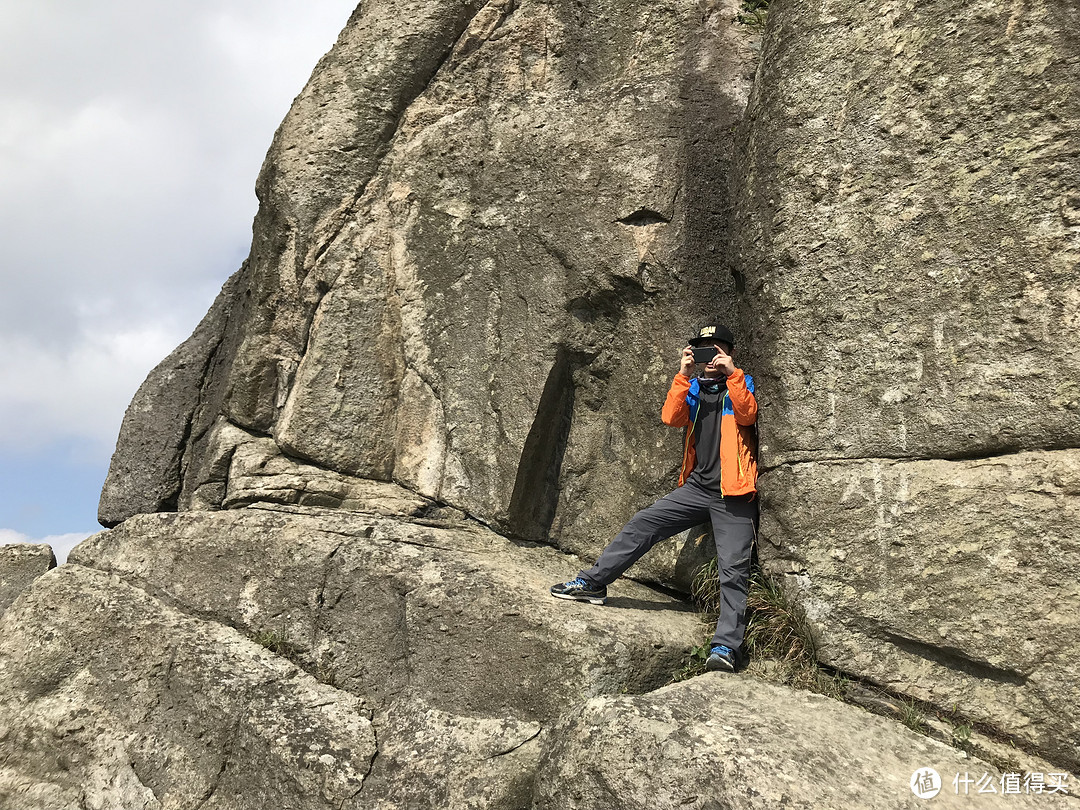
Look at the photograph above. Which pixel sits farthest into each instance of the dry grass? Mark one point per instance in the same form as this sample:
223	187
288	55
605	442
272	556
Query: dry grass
776	626
778	640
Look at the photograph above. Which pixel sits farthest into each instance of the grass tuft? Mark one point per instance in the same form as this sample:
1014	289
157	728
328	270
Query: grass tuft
278	644
753	14
323	670
776	625
778	636
912	716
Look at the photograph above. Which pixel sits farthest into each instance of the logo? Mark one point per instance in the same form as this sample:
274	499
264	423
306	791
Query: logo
925	783
708	331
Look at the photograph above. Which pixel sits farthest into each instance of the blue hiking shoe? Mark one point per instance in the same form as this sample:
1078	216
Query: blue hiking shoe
721	659
580	590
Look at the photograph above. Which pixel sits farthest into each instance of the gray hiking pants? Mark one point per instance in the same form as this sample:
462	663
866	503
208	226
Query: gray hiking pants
734	525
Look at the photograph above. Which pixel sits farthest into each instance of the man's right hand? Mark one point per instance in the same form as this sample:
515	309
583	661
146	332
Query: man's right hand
686	367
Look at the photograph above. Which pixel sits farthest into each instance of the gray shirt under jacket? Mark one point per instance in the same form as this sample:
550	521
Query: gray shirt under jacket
706	472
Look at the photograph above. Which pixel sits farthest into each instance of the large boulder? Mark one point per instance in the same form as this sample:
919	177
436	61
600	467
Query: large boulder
725	743
908	234
485	232
440	610
111	699
306	658
299	657
952	581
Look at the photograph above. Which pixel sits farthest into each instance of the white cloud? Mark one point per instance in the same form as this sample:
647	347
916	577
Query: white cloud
131	134
130	138
9	536
79	390
62	544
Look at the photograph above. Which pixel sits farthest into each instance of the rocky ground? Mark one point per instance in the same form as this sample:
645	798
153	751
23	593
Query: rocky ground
301	657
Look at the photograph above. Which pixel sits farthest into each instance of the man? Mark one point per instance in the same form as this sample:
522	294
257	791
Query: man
717	480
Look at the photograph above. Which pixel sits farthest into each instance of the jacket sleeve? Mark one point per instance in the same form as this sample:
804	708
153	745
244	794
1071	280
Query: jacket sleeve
741	393
675	411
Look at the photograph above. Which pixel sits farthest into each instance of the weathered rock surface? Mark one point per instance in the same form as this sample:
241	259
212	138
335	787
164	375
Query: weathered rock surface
423	661
430	759
110	699
909	237
741	743
20	565
952	581
469	275
245	469
909	229
450	613
436	676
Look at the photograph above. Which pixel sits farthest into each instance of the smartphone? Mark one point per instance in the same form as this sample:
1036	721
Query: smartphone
703	354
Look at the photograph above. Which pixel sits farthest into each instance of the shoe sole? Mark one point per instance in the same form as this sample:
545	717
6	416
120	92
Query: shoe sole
719	666
592	600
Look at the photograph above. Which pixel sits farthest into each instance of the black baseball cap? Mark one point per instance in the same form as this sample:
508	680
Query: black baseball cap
713	333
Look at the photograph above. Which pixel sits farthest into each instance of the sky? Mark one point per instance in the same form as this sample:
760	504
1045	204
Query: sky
131	133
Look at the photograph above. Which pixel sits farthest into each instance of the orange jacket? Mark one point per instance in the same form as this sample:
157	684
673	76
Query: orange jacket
738	434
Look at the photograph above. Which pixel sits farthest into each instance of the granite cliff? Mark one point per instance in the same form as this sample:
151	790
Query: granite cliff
485	231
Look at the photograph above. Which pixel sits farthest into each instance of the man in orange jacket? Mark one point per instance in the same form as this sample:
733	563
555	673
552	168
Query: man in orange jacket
717	481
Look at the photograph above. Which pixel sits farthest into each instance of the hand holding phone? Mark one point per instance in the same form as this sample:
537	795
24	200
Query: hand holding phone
686	362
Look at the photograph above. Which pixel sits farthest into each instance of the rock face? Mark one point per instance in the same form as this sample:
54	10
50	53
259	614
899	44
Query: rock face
485	232
908	230
109	698
742	744
486	229
20	565
909	238
388	607
417	665
300	657
145	473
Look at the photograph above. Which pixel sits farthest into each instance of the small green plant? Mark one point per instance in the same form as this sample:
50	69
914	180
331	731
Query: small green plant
961	734
911	715
694	664
753	13
960	728
277	642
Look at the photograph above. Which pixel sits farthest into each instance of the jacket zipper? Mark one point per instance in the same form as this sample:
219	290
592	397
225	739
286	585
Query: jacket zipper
720	448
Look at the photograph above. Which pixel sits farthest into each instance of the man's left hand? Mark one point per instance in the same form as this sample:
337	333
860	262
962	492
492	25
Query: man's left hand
722	362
